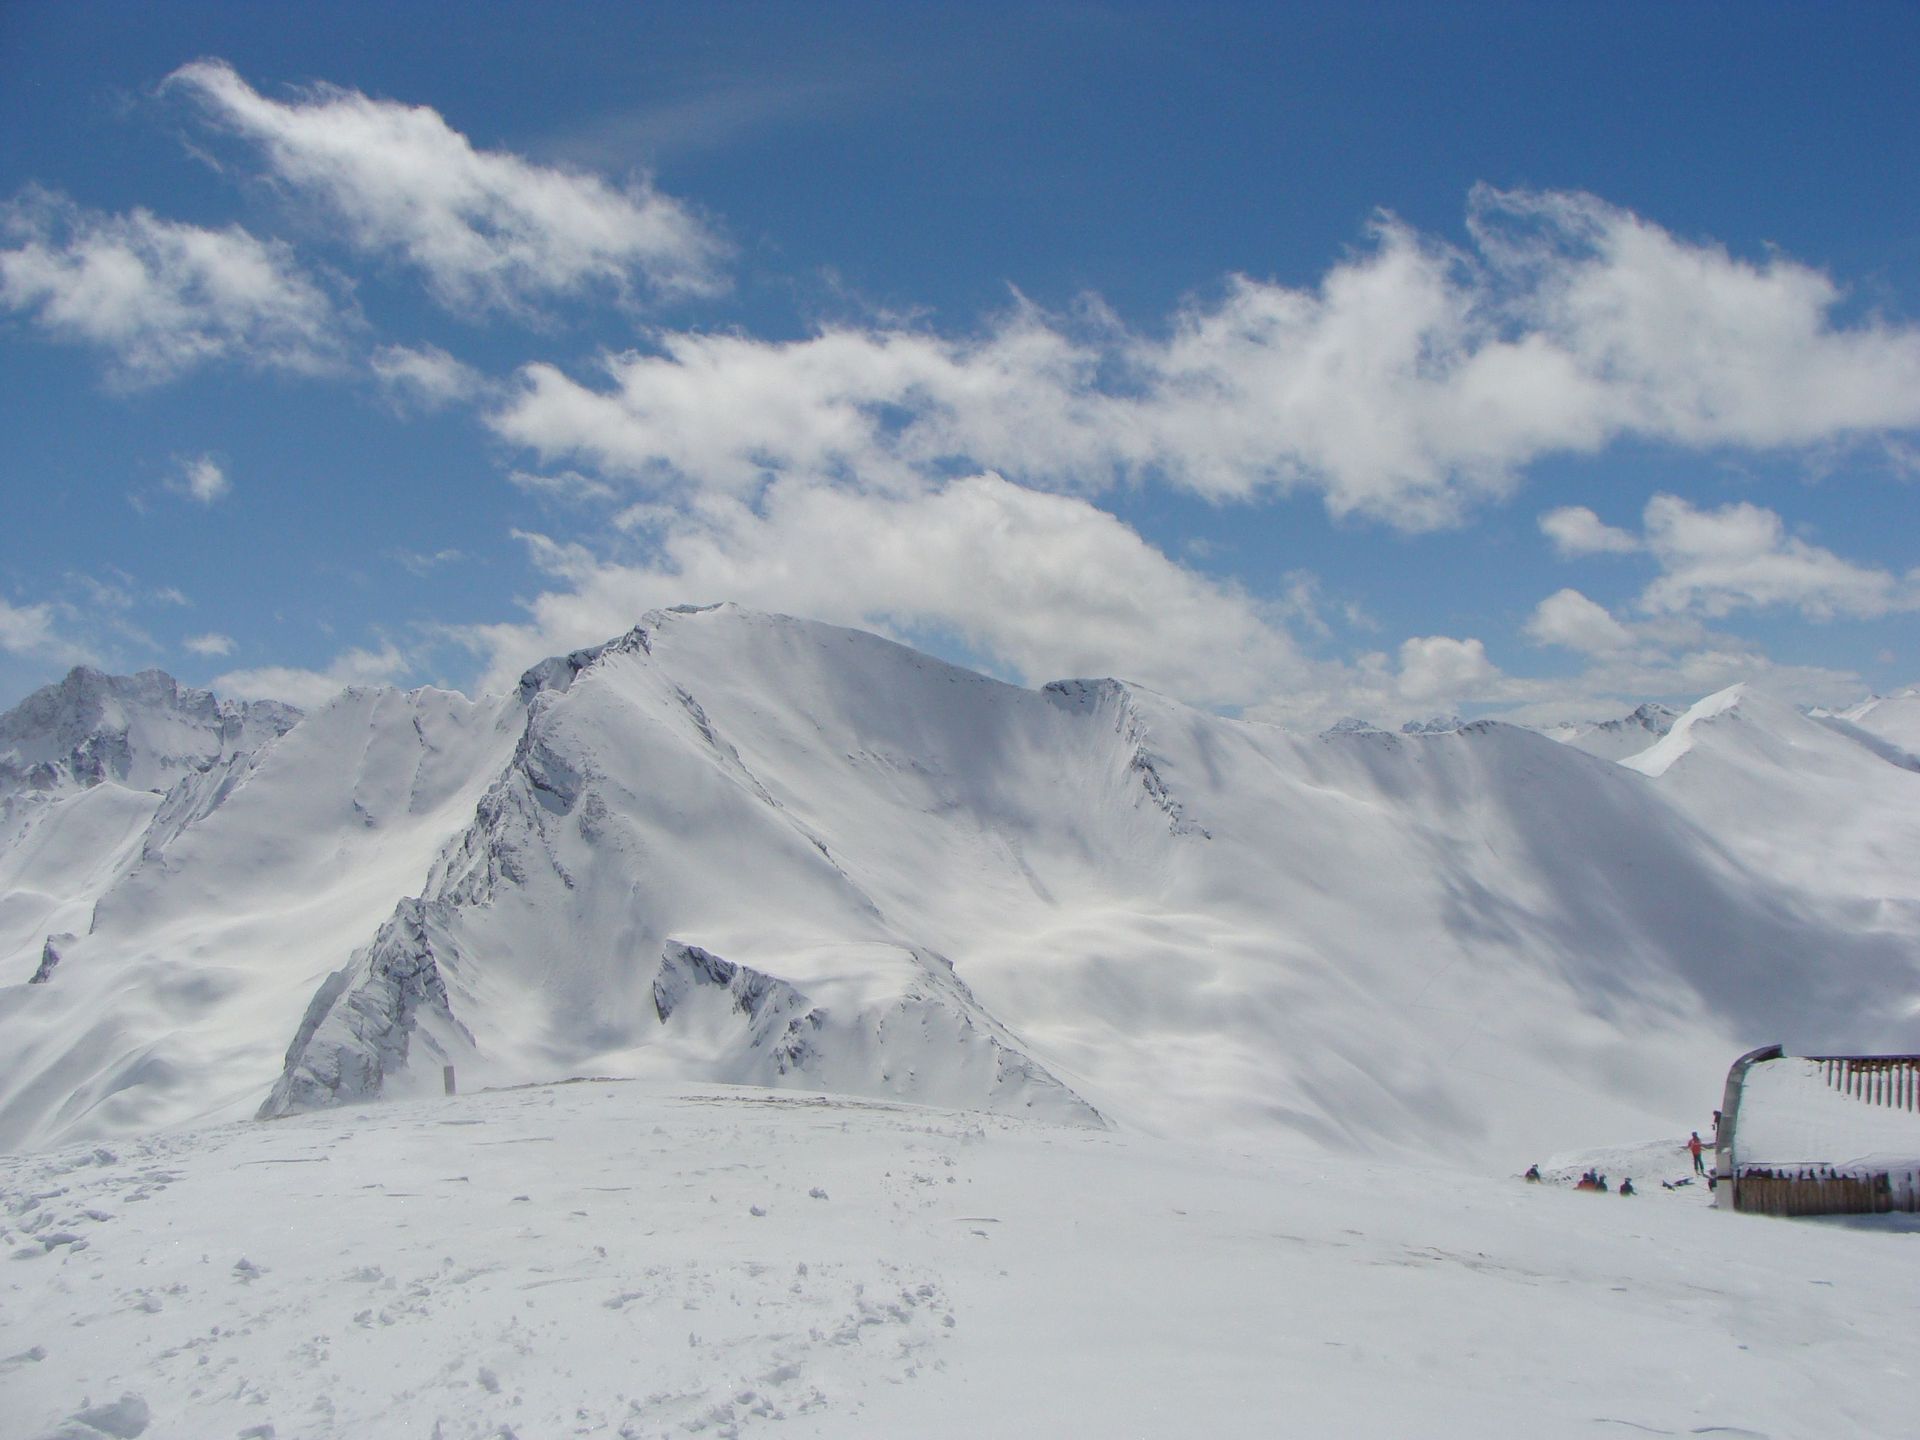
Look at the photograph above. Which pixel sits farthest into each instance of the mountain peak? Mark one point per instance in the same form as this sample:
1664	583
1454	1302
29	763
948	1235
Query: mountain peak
144	730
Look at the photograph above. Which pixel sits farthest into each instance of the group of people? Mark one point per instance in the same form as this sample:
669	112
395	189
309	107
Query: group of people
1592	1180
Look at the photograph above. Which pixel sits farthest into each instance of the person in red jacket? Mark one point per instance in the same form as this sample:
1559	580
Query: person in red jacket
1693	1149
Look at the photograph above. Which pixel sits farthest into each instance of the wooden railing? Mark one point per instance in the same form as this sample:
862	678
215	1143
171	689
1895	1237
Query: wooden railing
1889	1080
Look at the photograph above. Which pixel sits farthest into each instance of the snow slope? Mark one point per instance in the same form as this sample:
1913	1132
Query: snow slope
1826	808
1894	718
220	914
750	849
645	1260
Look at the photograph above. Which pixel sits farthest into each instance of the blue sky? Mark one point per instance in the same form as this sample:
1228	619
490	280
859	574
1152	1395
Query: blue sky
1297	360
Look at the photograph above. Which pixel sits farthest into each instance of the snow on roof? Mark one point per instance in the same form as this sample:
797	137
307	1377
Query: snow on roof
1790	1116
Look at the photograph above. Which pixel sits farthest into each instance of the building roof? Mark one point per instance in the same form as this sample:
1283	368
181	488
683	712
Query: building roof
1793	1116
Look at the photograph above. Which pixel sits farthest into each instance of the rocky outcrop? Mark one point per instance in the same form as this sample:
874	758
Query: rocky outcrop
363	1024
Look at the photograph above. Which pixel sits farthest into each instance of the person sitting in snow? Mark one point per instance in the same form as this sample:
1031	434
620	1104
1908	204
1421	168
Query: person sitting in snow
1626	1186
1532	1177
1601	1185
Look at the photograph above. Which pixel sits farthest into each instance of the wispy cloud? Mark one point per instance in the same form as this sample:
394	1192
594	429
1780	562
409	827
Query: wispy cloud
423	562
212	643
425	377
34	631
486	229
201	479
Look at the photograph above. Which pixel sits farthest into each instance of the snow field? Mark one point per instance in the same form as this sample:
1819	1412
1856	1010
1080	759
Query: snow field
642	1259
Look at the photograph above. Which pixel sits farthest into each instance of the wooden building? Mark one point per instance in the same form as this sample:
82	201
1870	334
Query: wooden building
1819	1134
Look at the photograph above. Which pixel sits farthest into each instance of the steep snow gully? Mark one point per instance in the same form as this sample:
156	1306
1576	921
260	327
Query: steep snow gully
735	847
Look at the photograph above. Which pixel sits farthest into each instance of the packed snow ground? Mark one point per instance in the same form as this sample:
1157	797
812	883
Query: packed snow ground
648	1259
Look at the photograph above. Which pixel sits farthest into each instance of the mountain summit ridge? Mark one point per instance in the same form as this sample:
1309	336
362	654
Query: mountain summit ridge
730	846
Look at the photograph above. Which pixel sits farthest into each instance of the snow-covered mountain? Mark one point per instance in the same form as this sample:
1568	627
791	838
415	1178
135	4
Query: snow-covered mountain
1617	739
143	731
1894	718
741	847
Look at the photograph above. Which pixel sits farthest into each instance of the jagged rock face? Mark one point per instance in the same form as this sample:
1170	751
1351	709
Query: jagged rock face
366	1019
144	730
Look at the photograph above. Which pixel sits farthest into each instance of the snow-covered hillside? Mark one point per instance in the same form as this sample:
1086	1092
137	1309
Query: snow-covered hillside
643	1260
737	847
1894	718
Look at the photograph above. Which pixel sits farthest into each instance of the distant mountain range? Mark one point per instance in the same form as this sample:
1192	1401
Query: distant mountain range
730	846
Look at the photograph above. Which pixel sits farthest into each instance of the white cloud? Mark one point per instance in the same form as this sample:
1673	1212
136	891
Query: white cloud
1413	381
421	562
160	297
1568	618
1438	670
569	486
1687	343
1045	586
212	643
311	688
425	376
487	229
28	630
1740	557
201	479
1575	530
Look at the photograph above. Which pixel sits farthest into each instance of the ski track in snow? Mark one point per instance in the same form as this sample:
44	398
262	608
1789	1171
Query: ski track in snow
636	1259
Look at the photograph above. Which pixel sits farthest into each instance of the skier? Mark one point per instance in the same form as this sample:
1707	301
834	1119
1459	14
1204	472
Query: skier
1693	1148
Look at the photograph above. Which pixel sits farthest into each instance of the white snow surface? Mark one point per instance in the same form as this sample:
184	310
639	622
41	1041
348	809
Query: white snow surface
741	848
645	1259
